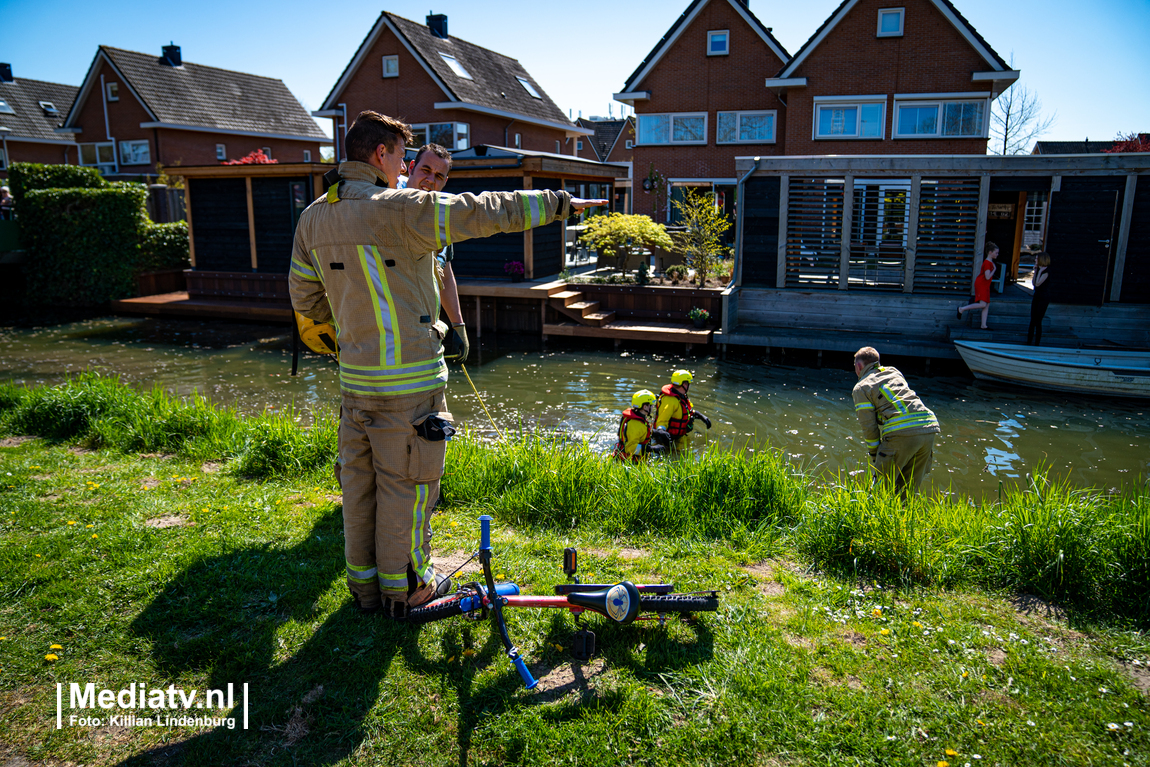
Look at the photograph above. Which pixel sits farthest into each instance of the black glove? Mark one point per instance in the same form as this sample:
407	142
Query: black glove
457	343
702	418
656	449
660	437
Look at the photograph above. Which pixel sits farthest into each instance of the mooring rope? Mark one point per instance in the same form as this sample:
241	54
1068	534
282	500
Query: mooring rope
481	402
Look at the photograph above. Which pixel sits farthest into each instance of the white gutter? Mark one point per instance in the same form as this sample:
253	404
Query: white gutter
568	129
231	132
107	129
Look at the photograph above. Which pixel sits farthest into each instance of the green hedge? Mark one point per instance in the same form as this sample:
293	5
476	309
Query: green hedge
25	177
164	246
84	243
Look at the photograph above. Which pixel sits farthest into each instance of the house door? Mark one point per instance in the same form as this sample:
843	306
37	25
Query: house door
1081	236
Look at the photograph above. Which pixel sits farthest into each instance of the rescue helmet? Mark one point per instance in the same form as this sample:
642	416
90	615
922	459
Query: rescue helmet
641	398
679	377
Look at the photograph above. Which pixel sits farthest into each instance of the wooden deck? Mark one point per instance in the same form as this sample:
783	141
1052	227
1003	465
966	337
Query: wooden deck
180	305
633	330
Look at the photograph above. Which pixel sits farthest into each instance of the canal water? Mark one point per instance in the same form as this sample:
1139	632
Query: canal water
990	433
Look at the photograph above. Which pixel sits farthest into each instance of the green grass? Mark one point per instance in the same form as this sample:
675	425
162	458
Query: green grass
853	629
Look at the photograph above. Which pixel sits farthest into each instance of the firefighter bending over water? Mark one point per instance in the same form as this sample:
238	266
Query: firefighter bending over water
635	431
674	415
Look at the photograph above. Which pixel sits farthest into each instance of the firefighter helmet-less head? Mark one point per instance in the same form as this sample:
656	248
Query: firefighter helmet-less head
641	398
679	377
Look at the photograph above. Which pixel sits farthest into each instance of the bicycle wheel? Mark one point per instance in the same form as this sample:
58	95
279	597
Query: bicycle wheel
678	603
436	611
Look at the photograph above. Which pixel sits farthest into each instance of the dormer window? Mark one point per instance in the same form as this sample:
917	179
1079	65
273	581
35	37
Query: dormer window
5	108
527	86
890	22
456	67
113	91
391	66
718	42
49	108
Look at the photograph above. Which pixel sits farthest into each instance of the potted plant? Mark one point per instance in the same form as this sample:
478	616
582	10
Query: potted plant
699	316
514	269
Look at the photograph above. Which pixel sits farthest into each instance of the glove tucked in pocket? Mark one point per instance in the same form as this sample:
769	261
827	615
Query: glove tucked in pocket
427	447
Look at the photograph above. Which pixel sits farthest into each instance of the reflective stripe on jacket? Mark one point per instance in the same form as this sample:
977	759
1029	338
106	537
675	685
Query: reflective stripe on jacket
886	405
364	260
634	434
673	411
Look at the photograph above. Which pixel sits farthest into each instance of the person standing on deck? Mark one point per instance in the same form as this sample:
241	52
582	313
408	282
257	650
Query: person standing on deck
1041	300
898	428
363	259
982	285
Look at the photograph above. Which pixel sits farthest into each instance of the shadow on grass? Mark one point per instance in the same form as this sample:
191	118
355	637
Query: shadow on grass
222	617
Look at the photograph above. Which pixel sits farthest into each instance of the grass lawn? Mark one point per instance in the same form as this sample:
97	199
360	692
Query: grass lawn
199	568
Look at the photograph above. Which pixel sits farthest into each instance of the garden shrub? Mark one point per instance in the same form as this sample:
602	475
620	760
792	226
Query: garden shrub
25	177
85	243
164	246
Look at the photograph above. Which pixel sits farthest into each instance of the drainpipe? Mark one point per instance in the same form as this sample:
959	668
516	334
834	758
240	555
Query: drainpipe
505	129
739	223
339	149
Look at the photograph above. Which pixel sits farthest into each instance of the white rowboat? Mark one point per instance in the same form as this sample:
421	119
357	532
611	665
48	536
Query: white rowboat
1089	371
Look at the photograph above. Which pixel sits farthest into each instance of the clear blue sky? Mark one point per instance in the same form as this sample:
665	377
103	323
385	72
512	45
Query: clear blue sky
1087	62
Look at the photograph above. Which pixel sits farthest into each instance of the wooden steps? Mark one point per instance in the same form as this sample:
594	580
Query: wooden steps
570	303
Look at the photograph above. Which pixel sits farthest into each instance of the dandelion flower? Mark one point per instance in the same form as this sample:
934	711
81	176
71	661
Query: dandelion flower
71	521
454	523
89	525
54	656
951	752
56	647
558	647
884	632
95	536
943	763
980	721
37	556
449	660
965	674
468	653
878	612
3	638
917	625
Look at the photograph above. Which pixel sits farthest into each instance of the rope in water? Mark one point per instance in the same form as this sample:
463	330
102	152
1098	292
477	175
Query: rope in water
481	402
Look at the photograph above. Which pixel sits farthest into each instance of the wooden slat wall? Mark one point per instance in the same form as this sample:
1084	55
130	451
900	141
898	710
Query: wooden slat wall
947	228
814	232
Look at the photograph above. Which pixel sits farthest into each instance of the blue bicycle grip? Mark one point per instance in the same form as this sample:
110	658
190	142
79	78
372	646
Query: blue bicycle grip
521	667
485	533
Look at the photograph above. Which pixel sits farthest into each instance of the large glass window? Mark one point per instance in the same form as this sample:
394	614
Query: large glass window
918	120
962	119
135	153
449	135
746	127
846	120
97	154
927	119
688	128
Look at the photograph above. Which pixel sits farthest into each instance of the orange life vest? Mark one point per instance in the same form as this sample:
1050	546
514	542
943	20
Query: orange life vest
676	427
620	446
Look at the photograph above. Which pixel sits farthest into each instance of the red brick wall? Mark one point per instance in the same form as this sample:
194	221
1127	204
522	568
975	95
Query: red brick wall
620	152
49	154
175	147
931	57
412	95
686	79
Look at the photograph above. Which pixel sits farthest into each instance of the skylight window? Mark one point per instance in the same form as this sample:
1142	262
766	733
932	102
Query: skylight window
527	86
5	109
456	67
49	107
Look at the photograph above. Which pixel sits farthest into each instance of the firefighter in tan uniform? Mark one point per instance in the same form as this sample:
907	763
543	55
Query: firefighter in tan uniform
364	260
899	430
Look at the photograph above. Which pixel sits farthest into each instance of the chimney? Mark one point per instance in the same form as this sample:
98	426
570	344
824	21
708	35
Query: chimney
6	74
437	23
172	55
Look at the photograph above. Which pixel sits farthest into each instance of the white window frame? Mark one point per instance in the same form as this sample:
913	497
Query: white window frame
821	102
461	134
671	116
527	86
628	144
221	151
124	145
307	155
394	59
579	145
96	147
456	65
772	113
6	107
518	140
49	107
113	90
711	34
937	100
901	22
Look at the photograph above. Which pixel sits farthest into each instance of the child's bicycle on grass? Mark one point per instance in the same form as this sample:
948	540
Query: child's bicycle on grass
621	602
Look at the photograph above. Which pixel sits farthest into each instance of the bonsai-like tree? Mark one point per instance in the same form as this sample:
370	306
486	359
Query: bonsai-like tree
623	235
702	243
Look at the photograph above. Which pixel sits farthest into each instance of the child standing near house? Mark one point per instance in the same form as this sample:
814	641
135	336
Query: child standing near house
982	285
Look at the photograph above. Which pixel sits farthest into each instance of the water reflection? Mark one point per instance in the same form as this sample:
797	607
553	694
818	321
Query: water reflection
990	432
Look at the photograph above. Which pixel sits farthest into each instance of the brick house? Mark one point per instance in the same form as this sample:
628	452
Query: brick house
613	142
136	110
450	91
873	79
31	110
698	104
877	79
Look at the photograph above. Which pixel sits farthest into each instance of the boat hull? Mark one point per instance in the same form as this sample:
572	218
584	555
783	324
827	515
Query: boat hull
1118	374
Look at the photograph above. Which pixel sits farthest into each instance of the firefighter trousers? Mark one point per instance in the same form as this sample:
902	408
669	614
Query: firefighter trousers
905	460
390	480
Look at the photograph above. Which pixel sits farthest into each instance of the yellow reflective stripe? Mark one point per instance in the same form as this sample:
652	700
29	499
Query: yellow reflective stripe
393	582
417	523
909	421
864	406
893	399
442	222
333	192
360	574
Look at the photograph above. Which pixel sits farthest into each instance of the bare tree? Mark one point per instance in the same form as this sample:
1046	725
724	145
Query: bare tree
1016	120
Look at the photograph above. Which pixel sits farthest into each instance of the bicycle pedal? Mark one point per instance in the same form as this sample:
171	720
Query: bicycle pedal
584	646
